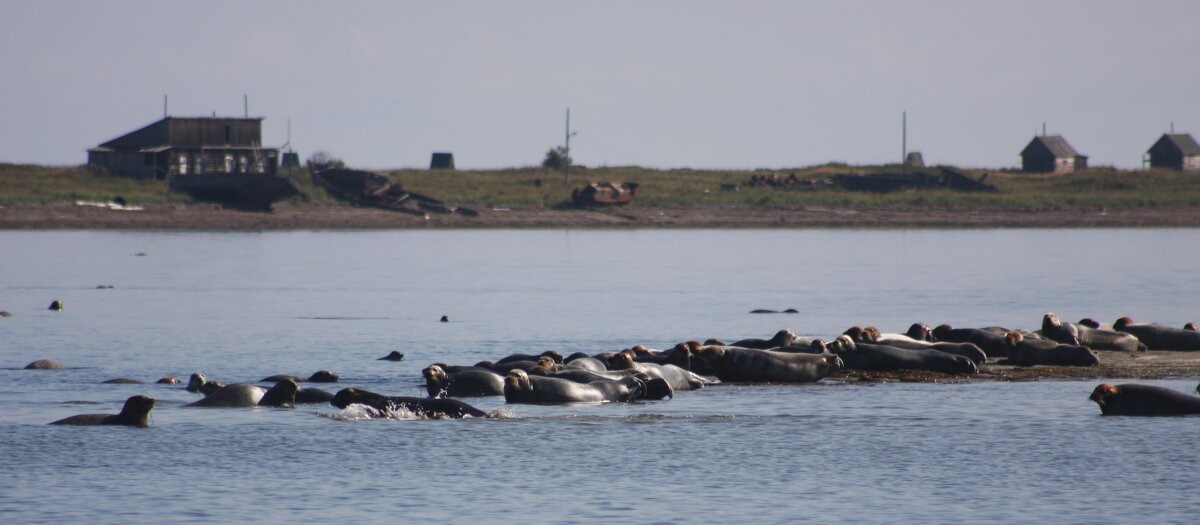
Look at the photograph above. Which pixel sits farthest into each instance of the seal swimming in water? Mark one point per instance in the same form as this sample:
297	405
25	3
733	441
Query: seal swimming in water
394	356
1084	335
320	376
44	364
1143	400
1159	337
1030	352
135	413
520	387
56	306
283	394
199	383
122	381
475	382
734	364
427	407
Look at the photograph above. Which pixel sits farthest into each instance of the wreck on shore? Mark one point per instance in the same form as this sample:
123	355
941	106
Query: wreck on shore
365	188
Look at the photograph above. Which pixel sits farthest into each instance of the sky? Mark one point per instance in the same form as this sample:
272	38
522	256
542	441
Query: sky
663	84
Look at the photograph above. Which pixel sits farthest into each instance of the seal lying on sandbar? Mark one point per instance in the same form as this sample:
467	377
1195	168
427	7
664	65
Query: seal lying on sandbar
1030	352
678	378
867	356
135	413
1084	335
735	364
283	394
427	407
872	335
1159	337
1143	400
781	338
520	387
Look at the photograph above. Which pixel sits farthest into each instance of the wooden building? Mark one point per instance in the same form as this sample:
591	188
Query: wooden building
1051	154
441	161
1177	151
188	145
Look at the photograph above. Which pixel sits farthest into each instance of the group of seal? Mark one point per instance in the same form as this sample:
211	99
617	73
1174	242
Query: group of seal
639	373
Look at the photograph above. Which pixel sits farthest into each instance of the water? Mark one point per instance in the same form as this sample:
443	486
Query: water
241	306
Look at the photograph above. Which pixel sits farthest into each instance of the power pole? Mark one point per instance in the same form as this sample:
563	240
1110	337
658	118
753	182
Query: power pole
903	138
567	151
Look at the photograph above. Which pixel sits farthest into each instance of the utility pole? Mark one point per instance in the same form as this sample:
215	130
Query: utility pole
567	151
903	138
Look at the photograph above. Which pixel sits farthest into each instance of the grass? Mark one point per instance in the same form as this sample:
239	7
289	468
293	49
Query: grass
1095	188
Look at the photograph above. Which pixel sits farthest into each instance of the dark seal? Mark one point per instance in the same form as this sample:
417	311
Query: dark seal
1143	400
433	408
135	413
394	356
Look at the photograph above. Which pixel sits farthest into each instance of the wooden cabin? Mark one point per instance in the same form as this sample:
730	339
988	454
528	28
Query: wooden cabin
1051	154
188	145
1177	151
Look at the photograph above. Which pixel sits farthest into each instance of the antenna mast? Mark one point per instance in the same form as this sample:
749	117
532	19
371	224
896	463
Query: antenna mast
567	151
903	137
164	105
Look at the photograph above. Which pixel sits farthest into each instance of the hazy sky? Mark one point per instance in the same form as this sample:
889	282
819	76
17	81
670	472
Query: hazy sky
663	84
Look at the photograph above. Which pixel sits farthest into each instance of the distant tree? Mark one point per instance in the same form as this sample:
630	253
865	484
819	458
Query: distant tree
556	158
323	159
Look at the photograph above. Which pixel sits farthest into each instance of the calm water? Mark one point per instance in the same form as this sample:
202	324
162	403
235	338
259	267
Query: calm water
240	306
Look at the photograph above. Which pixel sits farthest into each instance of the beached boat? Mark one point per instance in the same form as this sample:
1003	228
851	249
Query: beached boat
604	194
364	188
256	191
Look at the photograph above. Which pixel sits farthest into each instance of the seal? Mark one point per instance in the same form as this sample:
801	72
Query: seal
967	350
168	380
44	364
320	376
475	382
5	313
873	357
678	378
433	408
394	356
1159	337
585	362
781	338
1030	352
309	396
736	364
57	306
504	368
121	381
199	383
557	357
1192	327
135	413
1143	400
520	387
1084	335
283	394
990	342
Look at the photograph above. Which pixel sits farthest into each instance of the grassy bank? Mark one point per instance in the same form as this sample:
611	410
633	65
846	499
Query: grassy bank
1095	188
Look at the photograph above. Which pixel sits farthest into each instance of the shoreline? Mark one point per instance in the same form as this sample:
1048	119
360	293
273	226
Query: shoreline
337	216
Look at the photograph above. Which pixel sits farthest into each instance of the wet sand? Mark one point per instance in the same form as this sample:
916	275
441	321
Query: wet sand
341	216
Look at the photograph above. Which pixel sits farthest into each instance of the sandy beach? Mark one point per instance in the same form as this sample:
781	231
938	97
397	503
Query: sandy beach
299	215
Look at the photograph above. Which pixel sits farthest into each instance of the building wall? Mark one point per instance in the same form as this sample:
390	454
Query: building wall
1191	162
213	132
1038	163
137	165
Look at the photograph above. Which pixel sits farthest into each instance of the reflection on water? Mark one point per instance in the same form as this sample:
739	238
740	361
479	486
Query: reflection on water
241	306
